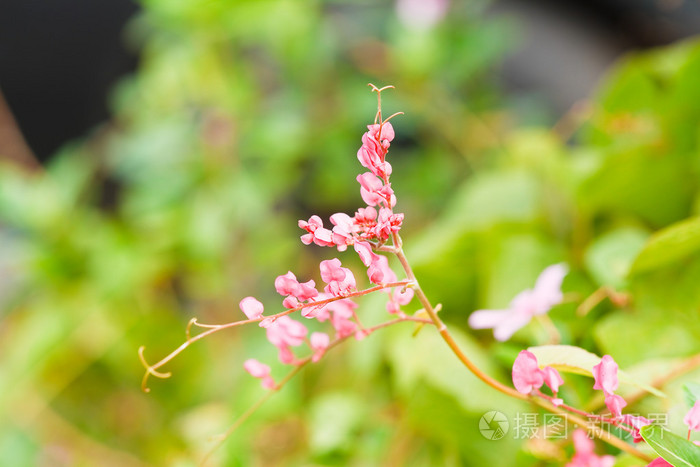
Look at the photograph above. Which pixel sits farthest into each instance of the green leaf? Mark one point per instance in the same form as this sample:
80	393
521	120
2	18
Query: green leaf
610	257
691	391
674	449
572	359
669	245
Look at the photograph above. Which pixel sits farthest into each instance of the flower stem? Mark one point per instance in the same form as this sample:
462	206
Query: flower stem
445	333
447	337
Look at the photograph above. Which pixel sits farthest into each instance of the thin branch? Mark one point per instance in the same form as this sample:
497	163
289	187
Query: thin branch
213	328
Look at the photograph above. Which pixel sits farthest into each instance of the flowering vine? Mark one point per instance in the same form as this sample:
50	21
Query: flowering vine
373	232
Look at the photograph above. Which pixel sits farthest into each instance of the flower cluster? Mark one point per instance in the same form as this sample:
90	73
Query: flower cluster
369	229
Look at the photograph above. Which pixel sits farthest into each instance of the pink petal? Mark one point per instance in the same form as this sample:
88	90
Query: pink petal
615	404
552	378
486	319
256	369
582	443
252	308
547	291
319	341
506	329
605	375
659	462
364	250
692	418
527	375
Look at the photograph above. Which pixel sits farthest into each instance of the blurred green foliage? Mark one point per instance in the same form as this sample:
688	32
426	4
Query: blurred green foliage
244	117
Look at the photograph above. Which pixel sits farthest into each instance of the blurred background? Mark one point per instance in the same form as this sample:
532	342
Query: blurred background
155	157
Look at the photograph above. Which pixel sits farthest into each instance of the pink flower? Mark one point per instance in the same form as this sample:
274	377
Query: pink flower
552	378
659	462
340	281
343	326
364	250
287	285
366	215
636	423
251	307
379	271
374	148
342	308
387	223
283	333
585	456
261	371
524	306
397	298
316	232
615	404
421	15
692	418
374	191
386	136
527	375
319	343
343	230
605	375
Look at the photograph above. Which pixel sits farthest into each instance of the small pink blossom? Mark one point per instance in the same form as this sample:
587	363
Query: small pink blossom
364	250
692	418
605	375
374	192
615	404
316	232
343	326
343	230
379	271
552	378
387	223
366	215
524	306
284	333
421	15
261	371
585	455
296	292
251	307
374	148
343	308
659	462
397	298
319	343
527	375
340	281
636	422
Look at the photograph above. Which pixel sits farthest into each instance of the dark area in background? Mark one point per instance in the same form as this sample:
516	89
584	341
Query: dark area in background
59	59
565	47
